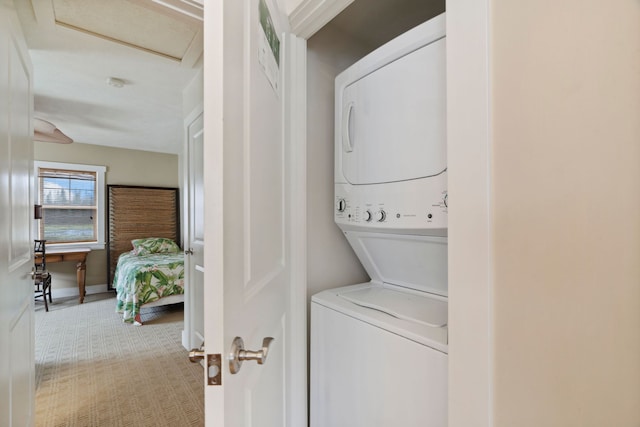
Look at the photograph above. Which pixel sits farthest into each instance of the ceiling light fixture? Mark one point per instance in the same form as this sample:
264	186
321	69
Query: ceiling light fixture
115	82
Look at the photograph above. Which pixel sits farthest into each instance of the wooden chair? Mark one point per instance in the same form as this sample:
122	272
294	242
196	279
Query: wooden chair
41	276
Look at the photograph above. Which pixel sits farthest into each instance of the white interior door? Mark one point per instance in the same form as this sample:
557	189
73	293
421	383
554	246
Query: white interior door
254	210
17	368
194	242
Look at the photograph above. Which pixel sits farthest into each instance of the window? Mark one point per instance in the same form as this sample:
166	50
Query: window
72	199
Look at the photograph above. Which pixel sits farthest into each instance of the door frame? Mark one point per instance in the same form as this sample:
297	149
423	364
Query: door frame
470	229
295	135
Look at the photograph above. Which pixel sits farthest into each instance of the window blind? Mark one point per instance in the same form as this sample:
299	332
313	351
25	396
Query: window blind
69	205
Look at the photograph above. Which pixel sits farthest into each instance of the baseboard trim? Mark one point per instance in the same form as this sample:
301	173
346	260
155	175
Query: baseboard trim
73	292
185	340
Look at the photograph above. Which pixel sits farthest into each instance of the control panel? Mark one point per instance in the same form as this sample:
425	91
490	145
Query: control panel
420	204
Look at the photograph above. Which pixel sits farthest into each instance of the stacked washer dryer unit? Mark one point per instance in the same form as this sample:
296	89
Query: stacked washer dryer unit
379	349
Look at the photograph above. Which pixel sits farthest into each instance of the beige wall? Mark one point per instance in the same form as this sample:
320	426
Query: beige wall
124	167
330	260
566	212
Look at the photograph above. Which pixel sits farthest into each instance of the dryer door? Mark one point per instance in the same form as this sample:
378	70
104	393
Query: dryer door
392	122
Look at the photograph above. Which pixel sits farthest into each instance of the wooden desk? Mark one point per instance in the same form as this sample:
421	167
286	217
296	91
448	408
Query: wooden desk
77	255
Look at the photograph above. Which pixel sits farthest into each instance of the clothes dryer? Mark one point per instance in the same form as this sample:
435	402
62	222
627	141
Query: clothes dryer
379	349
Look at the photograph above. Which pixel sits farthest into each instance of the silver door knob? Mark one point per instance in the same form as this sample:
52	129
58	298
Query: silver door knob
189	251
238	354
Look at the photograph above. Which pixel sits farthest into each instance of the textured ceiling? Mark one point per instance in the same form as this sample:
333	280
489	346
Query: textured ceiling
76	45
126	22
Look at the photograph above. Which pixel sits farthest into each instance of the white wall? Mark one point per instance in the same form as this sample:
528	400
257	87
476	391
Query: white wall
289	5
192	95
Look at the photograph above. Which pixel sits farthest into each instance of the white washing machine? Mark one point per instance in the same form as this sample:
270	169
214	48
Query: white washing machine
379	349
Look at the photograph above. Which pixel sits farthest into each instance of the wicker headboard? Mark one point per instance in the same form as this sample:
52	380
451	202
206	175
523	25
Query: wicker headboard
137	212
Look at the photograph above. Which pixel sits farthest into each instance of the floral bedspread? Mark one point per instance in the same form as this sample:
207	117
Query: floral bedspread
140	279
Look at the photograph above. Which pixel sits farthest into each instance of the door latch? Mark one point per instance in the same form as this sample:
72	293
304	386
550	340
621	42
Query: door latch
213	364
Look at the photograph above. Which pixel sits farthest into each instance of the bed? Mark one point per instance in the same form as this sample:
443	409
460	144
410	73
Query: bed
140	217
149	275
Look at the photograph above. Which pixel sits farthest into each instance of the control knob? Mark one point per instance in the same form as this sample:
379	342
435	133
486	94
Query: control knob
367	216
381	215
342	205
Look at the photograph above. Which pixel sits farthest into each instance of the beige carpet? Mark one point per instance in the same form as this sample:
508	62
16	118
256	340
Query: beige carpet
94	370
